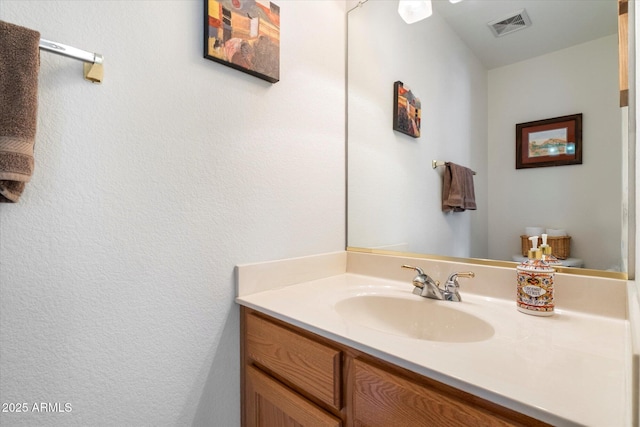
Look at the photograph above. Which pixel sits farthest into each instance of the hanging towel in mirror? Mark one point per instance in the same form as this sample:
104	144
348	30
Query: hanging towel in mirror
458	193
19	64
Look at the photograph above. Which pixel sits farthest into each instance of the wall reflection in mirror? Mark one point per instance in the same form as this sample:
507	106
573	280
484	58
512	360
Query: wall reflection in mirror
474	88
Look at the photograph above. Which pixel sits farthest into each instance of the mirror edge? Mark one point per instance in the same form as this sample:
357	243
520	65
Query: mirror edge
631	213
492	263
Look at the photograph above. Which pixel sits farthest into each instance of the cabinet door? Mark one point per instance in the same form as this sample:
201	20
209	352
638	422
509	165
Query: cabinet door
309	366
271	404
384	399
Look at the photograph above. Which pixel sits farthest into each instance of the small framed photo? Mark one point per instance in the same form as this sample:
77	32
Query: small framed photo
407	114
550	142
245	35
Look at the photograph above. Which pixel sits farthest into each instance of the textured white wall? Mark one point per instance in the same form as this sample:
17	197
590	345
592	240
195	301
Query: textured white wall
394	194
116	267
585	200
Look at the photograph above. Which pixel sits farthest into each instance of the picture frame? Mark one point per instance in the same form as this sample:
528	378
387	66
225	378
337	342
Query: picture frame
245	35
550	142
407	110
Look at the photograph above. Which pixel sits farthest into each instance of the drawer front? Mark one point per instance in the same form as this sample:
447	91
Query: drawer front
310	366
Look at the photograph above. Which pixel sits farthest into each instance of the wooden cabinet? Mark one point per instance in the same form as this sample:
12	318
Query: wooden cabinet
305	364
271	404
382	398
291	377
288	378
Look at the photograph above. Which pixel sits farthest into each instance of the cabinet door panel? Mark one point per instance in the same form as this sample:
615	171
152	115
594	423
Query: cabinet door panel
309	365
271	404
385	399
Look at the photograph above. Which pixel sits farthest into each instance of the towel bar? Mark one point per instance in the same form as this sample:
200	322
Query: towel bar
70	52
437	163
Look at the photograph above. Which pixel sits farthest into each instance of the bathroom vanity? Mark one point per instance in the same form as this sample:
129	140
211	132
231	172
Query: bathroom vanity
293	376
340	339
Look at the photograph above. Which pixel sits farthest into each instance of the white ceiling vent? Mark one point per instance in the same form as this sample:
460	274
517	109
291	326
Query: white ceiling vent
514	22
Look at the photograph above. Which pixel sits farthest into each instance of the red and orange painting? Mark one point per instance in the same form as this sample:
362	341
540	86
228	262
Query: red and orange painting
245	35
407	115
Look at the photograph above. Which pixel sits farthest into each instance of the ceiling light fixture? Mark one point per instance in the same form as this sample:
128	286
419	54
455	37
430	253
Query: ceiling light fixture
414	10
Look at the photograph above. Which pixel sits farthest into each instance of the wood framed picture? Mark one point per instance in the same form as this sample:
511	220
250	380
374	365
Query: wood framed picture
407	114
550	142
245	35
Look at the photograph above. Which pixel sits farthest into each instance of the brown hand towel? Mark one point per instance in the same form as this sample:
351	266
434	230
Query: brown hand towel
458	193
19	63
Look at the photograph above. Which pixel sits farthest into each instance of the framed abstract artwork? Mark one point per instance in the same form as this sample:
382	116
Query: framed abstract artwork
549	142
245	35
407	115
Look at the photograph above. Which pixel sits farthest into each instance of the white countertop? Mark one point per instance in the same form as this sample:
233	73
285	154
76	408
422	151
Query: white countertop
567	370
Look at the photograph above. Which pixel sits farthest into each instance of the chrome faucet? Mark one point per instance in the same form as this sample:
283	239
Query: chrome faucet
452	285
425	286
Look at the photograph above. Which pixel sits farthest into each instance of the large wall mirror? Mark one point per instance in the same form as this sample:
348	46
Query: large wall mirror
474	89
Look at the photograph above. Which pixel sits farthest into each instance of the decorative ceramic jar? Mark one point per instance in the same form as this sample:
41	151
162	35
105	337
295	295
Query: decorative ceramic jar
535	287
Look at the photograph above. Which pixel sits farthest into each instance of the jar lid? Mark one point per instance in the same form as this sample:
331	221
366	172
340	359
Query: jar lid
536	265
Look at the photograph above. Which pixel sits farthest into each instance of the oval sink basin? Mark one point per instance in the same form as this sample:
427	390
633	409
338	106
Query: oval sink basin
419	318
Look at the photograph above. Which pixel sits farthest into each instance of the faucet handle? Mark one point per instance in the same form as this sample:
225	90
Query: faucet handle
452	285
453	277
418	269
421	280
